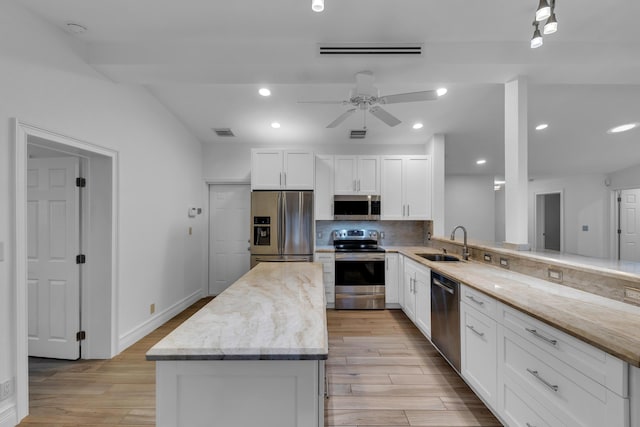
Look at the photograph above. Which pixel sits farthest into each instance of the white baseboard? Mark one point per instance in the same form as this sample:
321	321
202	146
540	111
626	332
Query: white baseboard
145	328
8	415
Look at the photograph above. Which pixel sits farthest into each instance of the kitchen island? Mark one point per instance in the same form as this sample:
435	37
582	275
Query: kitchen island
255	355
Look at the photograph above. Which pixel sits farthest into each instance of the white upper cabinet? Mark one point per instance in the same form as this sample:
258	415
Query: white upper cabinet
357	175
406	187
324	188
282	169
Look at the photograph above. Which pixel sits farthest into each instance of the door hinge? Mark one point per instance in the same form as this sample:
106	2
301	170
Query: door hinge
81	182
619	231
81	259
81	336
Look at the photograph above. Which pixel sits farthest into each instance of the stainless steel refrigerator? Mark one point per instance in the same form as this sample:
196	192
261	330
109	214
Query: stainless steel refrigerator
281	226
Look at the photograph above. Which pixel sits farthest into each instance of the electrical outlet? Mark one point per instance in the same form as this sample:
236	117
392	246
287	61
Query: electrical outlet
487	257
632	294
152	308
555	274
6	389
504	262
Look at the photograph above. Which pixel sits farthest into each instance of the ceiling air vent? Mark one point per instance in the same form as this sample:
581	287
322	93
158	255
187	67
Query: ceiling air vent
358	134
371	49
223	132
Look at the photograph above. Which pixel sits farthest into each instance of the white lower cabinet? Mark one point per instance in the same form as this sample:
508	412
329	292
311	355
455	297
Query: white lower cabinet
391	280
328	261
417	295
478	351
520	409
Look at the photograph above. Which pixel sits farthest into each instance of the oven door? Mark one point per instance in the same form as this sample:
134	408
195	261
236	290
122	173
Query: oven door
360	281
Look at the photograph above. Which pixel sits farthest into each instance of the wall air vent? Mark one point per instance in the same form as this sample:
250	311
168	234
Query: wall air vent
223	132
371	49
358	134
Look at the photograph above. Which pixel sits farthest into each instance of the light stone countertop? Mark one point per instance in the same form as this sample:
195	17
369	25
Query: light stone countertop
276	311
610	325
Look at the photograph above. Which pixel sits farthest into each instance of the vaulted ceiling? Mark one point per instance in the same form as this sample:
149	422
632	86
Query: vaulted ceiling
205	61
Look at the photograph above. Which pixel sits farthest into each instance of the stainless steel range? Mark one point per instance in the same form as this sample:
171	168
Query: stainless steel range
359	270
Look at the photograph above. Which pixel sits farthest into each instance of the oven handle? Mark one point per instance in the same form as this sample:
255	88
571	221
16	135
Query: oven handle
442	285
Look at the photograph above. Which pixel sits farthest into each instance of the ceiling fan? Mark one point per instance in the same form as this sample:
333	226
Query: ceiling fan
366	97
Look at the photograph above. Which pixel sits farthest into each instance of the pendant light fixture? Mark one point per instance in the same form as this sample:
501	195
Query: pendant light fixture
317	5
536	40
544	11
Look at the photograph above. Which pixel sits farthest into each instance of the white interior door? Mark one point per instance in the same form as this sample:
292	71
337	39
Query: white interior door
630	225
53	243
229	224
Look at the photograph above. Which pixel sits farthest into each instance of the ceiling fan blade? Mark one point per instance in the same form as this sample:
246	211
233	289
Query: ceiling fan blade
341	118
384	116
427	95
322	102
364	84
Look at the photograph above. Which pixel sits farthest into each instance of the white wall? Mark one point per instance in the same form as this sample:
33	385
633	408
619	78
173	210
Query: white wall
625	178
232	162
470	202
44	82
586	201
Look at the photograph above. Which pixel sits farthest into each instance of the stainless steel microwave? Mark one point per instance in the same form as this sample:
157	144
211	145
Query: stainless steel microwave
356	207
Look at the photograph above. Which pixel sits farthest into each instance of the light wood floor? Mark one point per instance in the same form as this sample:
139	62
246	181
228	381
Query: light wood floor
382	372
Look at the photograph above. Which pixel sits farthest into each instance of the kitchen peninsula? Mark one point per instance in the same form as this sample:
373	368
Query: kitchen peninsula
255	355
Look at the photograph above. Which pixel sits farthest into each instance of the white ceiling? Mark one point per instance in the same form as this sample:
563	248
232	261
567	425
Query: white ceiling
206	59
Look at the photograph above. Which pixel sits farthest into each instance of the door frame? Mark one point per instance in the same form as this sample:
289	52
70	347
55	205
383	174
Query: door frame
21	133
539	218
208	183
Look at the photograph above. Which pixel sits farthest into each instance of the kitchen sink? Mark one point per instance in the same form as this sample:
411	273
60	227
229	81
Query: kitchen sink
438	257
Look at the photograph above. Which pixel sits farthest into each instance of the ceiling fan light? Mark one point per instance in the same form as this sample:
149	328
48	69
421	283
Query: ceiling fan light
536	40
551	25
544	11
317	5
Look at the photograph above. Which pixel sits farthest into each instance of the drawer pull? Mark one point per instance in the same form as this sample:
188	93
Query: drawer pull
478	333
542	380
475	300
535	333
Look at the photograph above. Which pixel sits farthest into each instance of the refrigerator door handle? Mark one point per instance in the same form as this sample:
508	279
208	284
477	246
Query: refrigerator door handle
279	224
283	224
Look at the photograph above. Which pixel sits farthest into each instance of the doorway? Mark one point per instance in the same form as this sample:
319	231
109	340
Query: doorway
548	222
229	212
99	243
629	225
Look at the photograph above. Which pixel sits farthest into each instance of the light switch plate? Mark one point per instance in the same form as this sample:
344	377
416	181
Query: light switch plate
555	274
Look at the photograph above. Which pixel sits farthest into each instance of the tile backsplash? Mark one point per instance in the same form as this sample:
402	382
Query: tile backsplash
403	233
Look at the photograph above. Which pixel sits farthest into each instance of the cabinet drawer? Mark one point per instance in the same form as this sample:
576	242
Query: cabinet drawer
590	361
520	409
478	300
572	397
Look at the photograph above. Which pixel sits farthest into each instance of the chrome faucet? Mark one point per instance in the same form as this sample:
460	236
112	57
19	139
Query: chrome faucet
465	249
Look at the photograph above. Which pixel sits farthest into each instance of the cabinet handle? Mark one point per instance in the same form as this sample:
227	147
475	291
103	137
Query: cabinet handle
280	179
535	333
403	208
285	179
542	380
478	333
355	188
408	210
475	300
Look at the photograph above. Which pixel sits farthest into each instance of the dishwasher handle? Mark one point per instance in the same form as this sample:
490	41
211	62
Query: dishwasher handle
442	285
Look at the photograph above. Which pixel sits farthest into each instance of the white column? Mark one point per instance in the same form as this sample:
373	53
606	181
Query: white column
516	164
436	151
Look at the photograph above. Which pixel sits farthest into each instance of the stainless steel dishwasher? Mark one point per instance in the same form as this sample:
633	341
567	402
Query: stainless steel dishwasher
445	317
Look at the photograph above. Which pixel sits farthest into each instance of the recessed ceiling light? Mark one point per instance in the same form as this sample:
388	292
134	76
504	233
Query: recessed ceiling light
275	125
264	91
481	162
317	5
542	126
74	28
418	126
441	91
622	128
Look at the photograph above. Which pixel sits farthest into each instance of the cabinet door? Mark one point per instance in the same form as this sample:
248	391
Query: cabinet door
391	279
324	188
345	170
478	348
417	187
266	170
392	206
298	170
423	300
368	175
409	295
